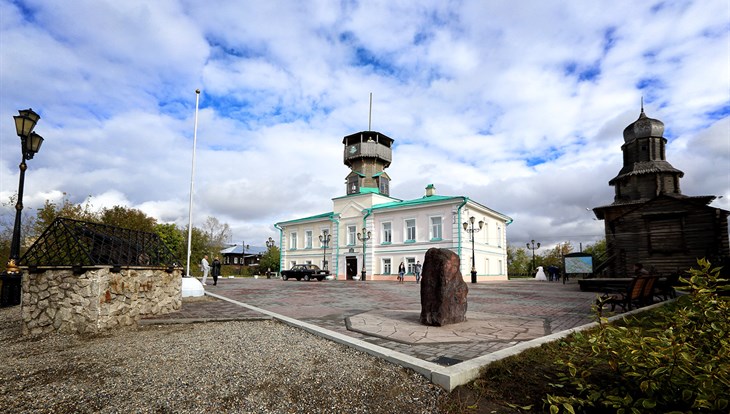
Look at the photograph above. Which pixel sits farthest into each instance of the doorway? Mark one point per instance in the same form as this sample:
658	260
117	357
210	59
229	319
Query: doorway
351	265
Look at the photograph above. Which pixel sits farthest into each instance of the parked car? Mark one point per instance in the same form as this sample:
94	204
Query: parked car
305	271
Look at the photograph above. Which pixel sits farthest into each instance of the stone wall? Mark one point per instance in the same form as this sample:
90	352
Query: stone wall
97	300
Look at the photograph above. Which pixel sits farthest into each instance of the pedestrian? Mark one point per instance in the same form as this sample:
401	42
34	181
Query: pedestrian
552	273
216	270
417	271
205	267
401	272
540	275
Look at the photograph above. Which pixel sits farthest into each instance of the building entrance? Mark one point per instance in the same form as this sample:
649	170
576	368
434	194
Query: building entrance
351	265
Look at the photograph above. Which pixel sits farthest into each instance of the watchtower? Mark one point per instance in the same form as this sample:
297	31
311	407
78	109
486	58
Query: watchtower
368	154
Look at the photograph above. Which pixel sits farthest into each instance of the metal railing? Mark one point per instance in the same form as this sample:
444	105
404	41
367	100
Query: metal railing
80	244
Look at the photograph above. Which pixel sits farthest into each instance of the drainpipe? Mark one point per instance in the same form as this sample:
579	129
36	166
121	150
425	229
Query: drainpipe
364	226
281	247
337	243
458	224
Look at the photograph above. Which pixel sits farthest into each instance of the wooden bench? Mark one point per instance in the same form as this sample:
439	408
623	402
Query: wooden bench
639	292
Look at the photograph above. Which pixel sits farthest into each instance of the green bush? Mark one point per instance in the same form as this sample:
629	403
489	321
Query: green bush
679	361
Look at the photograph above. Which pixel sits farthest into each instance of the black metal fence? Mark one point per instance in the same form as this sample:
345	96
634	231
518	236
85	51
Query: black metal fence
81	244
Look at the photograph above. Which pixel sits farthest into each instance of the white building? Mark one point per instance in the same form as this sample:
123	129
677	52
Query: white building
385	231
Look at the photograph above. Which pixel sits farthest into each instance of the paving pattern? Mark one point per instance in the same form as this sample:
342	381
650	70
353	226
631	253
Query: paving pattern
500	314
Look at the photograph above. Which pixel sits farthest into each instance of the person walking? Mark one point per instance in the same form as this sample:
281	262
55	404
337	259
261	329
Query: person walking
417	271
401	272
216	270
205	267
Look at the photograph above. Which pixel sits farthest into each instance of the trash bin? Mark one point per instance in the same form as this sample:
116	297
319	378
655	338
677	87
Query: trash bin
10	289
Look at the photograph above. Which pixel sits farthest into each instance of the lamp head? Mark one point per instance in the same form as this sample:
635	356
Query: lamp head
481	224
465	225
32	145
25	122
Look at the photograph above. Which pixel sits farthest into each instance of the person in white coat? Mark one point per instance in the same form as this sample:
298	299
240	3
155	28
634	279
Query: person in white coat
205	267
540	275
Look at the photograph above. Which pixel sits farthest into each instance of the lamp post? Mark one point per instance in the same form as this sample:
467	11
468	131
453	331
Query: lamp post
244	246
469	228
533	248
30	143
324	238
270	243
363	237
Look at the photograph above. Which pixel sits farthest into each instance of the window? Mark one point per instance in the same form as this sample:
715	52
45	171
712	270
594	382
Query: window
435	228
308	262
351	238
293	241
410	264
410	230
308	239
387	237
500	267
293	263
383	185
499	236
387	266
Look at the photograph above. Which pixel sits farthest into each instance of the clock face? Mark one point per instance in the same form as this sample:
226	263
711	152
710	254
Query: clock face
353	149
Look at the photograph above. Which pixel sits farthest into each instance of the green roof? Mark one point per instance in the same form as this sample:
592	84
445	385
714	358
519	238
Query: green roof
418	201
310	218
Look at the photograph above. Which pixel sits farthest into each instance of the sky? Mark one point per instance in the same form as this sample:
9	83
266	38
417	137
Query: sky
519	106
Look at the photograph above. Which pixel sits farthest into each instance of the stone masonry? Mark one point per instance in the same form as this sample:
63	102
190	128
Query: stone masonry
97	300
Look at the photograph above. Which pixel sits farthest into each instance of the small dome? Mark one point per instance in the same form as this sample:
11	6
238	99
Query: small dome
644	127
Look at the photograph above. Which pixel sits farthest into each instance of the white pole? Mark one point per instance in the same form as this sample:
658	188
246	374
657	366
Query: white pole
192	181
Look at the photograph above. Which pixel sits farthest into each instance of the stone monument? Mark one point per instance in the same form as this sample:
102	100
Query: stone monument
443	290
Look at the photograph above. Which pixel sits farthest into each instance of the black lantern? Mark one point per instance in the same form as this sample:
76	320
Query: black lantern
469	228
30	144
324	238
363	237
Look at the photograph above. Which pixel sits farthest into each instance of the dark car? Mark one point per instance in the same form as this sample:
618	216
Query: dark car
305	271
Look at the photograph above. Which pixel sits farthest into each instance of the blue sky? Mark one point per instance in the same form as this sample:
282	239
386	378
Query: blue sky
520	106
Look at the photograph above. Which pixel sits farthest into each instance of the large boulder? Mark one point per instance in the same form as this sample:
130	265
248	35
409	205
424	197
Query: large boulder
443	291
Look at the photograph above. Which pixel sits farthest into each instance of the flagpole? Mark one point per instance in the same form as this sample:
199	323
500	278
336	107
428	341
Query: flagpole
192	182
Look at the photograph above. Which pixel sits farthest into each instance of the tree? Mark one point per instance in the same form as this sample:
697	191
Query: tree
128	218
270	259
50	211
518	261
555	256
598	251
174	239
216	233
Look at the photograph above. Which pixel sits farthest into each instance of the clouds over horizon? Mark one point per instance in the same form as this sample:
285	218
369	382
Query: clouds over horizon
520	108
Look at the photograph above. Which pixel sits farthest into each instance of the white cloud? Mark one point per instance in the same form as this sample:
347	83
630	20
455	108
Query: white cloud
518	106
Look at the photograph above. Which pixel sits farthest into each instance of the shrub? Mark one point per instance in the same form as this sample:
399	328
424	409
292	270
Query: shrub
677	362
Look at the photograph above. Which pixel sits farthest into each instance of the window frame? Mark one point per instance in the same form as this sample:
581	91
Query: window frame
386	235
432	233
406	233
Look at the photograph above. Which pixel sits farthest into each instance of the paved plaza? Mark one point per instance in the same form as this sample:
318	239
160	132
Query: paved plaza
500	314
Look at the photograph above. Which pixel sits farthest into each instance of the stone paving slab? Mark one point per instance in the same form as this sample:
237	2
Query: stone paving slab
501	314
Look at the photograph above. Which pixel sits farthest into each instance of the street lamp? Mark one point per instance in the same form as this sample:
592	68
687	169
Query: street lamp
469	228
30	144
270	243
324	238
364	237
244	246
533	248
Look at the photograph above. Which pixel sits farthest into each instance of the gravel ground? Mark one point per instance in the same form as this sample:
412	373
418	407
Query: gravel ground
237	367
